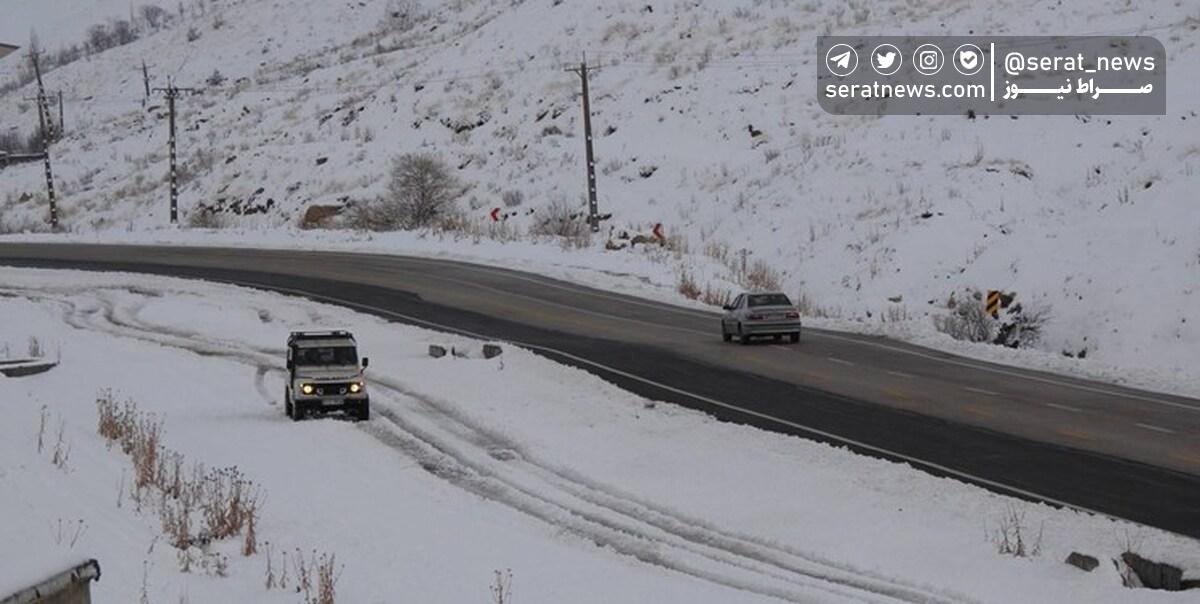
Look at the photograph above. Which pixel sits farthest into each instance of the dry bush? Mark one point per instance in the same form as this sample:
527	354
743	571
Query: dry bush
719	297
206	218
560	219
761	277
62	448
1009	536
34	348
502	587
687	285
220	502
968	321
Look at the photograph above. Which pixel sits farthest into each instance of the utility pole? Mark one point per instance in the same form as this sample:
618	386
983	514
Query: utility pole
145	82
172	93
62	124
593	209
42	118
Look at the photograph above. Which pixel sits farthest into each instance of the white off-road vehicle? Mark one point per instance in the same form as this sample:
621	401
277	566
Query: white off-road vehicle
324	375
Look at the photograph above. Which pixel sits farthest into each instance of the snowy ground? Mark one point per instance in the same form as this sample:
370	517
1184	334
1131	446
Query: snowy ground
587	493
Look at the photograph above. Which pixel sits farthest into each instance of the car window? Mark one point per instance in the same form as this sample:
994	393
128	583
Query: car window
737	302
769	300
327	355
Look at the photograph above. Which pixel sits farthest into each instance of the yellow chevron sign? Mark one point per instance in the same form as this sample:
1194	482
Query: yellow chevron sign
993	303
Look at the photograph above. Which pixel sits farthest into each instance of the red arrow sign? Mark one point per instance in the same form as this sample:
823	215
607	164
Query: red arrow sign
495	214
658	232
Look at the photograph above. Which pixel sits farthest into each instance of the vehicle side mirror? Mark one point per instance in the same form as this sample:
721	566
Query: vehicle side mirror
366	361
728	307
290	365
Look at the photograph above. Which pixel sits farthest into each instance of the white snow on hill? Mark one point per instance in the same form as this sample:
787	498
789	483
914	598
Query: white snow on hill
1092	218
587	493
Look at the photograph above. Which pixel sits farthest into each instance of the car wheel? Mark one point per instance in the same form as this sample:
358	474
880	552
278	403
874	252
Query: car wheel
777	337
725	335
743	338
795	337
298	411
363	413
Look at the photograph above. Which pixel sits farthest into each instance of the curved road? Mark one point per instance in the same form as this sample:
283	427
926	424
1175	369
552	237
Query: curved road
1118	451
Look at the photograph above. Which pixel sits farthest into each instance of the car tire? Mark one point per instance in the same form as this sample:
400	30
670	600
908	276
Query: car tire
743	338
795	337
725	335
777	337
363	413
298	411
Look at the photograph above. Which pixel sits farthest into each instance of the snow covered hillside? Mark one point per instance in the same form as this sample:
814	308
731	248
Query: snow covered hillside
706	121
578	491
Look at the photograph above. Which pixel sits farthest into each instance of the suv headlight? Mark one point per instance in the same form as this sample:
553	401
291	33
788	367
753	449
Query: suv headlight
356	387
307	389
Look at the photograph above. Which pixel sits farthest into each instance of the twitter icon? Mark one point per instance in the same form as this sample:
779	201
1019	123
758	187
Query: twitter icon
886	59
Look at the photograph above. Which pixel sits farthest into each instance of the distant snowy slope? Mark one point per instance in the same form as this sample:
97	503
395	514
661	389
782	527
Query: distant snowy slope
706	121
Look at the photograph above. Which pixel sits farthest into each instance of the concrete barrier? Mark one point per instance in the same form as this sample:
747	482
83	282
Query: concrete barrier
72	586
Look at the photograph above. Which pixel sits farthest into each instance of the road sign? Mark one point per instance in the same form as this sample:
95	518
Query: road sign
495	214
993	303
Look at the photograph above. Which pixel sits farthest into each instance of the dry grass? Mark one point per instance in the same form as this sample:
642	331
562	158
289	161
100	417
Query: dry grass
1009	535
761	277
502	587
687	285
194	509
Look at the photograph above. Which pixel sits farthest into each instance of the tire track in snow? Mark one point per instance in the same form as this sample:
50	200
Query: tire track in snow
450	446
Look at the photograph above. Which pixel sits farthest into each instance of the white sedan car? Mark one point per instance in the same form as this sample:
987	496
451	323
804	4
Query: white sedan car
760	314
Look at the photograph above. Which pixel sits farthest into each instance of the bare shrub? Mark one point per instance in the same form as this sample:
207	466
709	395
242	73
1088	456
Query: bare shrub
421	192
1009	535
512	198
719	297
968	321
502	587
62	448
220	502
559	219
400	16
41	435
1022	326
207	218
687	286
760	276
34	348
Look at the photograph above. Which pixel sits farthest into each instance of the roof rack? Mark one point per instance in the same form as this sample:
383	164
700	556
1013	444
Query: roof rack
319	335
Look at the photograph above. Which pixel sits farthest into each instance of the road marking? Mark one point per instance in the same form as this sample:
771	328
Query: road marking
842	361
901	374
1187	458
980	411
1155	428
1015	372
1076	434
1063	407
698	397
980	391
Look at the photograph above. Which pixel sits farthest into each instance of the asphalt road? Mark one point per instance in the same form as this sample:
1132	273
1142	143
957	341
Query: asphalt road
1118	451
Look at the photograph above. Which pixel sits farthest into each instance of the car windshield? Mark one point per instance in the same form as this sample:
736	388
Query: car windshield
327	355
769	300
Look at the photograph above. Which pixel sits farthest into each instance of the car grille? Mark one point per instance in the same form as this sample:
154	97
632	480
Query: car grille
331	389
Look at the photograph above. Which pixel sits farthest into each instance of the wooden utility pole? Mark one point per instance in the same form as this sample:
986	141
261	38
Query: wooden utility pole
593	209
42	119
171	92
